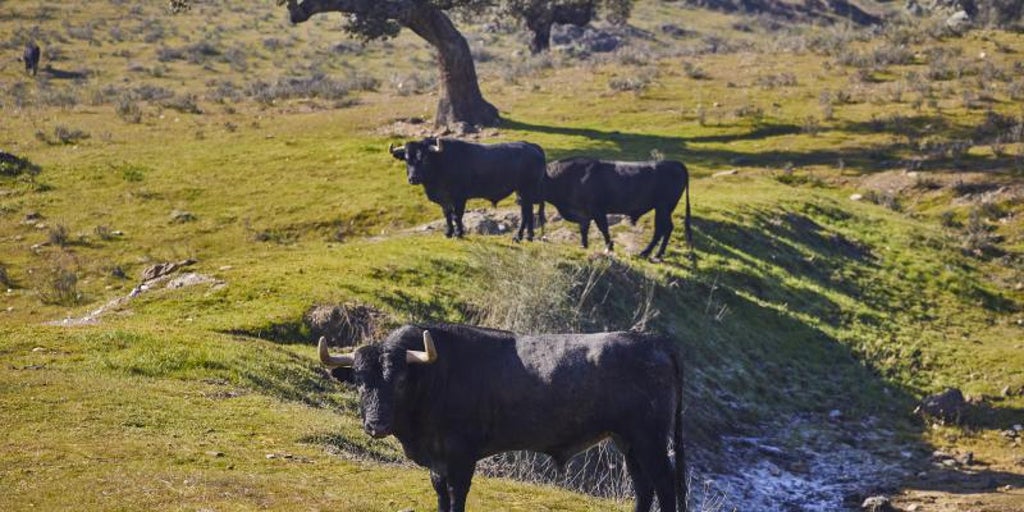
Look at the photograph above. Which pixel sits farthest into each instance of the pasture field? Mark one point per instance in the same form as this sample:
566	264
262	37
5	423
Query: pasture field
857	197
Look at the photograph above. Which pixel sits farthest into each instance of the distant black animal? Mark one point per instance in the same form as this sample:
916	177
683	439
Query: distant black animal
31	58
454	394
452	172
585	189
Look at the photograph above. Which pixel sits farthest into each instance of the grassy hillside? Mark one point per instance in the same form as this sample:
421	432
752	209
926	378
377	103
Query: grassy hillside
858	235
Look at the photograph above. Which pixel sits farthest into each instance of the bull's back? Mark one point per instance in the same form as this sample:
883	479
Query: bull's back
634	188
568	389
494	171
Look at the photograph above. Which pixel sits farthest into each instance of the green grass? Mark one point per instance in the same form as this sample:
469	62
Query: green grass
802	301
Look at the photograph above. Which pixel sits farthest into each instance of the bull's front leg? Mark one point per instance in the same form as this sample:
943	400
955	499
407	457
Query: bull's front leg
448	221
601	219
440	483
584	228
460	209
460	475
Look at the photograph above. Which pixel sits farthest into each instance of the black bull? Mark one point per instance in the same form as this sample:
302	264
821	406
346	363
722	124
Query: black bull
454	394
453	171
585	189
31	58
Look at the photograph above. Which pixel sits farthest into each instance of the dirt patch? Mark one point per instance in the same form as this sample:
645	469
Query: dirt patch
346	325
152	277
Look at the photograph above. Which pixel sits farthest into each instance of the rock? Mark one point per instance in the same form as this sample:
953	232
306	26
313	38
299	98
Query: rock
163	269
584	39
671	29
966	459
191	279
948	406
913	507
835	415
182	216
730	172
959	22
856	197
877	504
213	453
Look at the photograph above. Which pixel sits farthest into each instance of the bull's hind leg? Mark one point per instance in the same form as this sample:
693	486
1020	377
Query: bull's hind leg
601	219
584	228
662	230
440	484
525	220
642	486
655	464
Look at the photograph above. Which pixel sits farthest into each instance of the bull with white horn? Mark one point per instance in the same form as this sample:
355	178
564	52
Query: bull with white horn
454	171
454	394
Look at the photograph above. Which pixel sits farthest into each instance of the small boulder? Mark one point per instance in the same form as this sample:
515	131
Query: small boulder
948	406
877	504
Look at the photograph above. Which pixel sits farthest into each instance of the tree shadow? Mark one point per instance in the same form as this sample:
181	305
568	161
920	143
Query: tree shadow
899	153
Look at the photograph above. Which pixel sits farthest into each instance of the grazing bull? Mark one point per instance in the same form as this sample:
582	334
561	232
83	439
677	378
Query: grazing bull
453	171
31	58
585	189
454	394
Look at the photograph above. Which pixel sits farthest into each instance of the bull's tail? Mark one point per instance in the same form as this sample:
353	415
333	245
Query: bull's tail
686	221
689	229
677	442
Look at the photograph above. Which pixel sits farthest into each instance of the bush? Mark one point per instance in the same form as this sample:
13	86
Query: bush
59	286
128	110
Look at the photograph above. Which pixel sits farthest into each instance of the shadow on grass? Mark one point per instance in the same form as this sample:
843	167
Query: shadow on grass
896	154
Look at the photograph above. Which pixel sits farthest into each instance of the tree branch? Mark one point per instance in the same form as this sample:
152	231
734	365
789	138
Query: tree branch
397	10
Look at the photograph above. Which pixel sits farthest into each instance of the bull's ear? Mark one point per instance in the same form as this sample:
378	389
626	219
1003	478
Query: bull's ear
342	374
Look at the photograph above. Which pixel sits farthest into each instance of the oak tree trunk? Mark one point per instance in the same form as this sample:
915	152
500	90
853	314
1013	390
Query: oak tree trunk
461	100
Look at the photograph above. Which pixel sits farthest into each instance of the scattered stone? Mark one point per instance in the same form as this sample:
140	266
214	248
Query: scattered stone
966	459
191	279
730	172
585	39
182	216
948	406
163	269
959	22
913	507
671	29
856	197
877	504
213	453
835	415
39	349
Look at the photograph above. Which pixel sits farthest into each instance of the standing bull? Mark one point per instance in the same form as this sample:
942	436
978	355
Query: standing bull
585	189
454	394
452	172
31	58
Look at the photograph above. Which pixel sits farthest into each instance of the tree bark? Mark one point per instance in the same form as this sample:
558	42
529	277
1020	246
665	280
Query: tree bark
460	98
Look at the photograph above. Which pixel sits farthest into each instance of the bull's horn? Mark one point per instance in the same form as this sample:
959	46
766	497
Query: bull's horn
344	360
437	147
429	355
391	148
